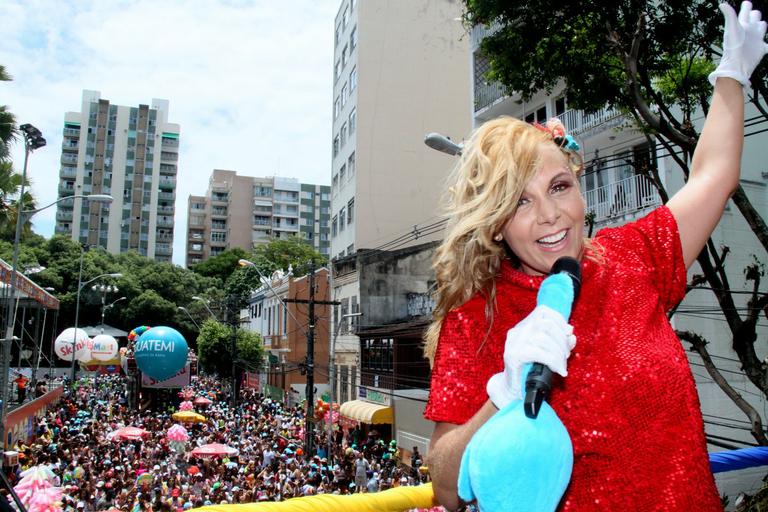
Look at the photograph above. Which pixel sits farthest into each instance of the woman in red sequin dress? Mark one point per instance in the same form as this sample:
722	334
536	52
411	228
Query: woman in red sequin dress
629	401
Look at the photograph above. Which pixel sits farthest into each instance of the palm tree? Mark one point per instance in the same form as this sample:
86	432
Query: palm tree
10	183
7	120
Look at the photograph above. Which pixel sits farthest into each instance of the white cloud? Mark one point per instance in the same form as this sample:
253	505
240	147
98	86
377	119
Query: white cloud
248	81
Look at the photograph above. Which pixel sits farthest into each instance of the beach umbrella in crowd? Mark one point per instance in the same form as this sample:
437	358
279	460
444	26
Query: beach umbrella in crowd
144	478
127	434
201	400
186	406
215	450
188	417
177	438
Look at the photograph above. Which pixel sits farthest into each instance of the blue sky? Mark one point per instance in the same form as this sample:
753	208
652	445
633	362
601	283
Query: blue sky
250	82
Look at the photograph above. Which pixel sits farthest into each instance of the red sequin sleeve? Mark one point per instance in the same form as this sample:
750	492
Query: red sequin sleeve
654	242
456	393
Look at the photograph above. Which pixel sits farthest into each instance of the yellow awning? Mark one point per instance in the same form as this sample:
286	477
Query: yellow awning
366	412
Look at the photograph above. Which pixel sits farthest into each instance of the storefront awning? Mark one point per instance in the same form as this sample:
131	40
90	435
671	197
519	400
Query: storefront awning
366	412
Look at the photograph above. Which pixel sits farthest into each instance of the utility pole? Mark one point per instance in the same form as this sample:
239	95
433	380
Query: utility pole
233	321
309	362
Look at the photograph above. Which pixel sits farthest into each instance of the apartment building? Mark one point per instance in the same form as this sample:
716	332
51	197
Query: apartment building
401	70
130	153
243	211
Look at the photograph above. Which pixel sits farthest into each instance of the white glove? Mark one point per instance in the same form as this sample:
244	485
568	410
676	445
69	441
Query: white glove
743	45
542	337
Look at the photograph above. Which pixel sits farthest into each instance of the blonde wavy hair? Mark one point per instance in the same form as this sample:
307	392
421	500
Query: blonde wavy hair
496	164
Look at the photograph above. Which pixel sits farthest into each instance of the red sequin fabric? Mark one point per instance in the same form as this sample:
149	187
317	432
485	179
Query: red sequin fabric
629	401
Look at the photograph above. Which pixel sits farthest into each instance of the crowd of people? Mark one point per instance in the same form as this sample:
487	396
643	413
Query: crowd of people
98	472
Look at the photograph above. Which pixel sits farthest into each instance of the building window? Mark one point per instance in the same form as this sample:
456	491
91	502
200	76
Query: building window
345	17
350	251
334	225
336	145
560	106
342	218
336	108
344	57
337	37
343	134
336	71
342	173
351	211
353	79
344	95
352	120
352	39
335	183
539	115
351	165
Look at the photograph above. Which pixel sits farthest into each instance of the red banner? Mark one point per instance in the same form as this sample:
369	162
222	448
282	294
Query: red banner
22	421
27	287
251	381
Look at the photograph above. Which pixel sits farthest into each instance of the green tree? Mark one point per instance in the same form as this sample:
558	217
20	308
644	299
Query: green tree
222	265
650	60
7	120
214	348
285	253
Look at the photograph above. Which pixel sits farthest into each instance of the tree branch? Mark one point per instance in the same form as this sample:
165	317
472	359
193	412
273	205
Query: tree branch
699	345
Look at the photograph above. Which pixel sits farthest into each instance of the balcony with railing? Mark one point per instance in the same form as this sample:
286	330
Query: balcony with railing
167	182
614	201
167	196
66	188
69	158
163	248
71	132
166	210
164	237
68	172
164	222
578	122
64	215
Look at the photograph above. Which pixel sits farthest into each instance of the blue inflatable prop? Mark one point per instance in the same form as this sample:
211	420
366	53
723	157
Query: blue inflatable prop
514	462
161	352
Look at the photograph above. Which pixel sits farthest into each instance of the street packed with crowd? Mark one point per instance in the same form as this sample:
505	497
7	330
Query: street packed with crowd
98	471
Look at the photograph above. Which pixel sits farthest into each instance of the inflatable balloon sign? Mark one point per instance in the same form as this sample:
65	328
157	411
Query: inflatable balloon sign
138	331
161	352
63	346
104	347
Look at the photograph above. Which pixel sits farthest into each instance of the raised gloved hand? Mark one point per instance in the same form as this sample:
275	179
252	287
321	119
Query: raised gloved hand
743	44
544	337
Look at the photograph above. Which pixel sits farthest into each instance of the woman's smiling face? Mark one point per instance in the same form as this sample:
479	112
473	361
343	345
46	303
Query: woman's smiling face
548	222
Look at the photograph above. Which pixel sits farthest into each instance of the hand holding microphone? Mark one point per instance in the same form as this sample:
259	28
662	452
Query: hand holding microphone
544	337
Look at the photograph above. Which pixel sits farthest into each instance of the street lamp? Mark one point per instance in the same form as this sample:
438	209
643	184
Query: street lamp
205	303
80	286
332	379
190	316
443	144
105	290
33	140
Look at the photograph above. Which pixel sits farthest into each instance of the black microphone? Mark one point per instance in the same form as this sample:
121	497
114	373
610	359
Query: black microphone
538	383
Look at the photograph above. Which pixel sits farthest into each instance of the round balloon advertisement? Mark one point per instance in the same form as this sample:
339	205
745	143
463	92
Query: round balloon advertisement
161	352
104	347
69	341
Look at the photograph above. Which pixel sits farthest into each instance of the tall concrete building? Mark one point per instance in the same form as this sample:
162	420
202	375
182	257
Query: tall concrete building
401	70
130	153
243	211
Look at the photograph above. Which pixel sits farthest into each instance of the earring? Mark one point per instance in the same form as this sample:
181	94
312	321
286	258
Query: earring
498	237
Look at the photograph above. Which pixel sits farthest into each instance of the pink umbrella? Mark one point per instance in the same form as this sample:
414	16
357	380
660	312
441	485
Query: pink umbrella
177	433
215	450
186	406
127	434
201	400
